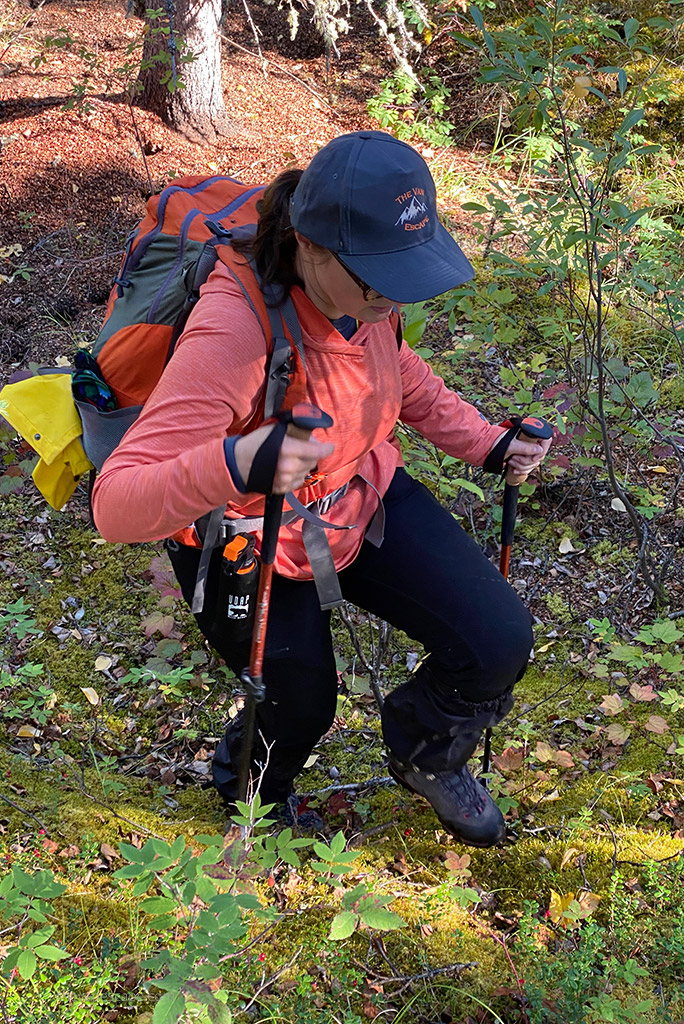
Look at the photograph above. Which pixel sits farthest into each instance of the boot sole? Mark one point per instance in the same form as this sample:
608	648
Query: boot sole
449	828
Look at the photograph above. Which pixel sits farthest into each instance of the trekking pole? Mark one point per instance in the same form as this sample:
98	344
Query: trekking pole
300	420
534	429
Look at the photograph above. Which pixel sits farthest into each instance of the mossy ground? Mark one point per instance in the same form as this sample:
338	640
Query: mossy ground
582	808
587	767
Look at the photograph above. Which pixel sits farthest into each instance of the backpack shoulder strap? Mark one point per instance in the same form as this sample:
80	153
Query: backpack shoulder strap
397	324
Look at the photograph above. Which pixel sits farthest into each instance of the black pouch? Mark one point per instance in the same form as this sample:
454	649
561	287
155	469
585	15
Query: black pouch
237	590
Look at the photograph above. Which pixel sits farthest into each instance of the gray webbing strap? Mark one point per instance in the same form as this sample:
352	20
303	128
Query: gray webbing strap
281	314
310	517
210	542
323	567
278	375
375	531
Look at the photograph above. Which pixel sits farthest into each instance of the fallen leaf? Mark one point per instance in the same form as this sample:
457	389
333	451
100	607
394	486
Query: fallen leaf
617	733
657	725
102	663
27	732
580	86
643	693
458	865
311	760
91	695
509	760
544	752
618	505
558	905
658	469
157	622
108	852
612	704
566	546
589	902
569	858
563	758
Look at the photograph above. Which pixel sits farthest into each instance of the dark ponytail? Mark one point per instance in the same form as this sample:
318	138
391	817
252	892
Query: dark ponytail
274	246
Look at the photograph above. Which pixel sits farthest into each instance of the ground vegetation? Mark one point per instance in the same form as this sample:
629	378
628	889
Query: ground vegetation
124	894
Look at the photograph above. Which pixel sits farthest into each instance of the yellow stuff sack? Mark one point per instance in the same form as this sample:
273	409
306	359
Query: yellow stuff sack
42	410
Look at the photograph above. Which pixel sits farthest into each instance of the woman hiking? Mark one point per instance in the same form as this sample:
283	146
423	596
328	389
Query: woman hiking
350	239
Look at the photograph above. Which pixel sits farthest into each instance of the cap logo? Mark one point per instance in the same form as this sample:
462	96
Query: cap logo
413	216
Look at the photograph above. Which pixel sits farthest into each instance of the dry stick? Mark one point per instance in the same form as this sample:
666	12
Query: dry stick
142	149
651	860
256	36
344	615
269	60
81	785
22	810
266	983
639	530
347	787
408	980
16	35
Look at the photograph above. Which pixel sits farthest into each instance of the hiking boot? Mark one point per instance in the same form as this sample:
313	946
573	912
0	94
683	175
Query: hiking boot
463	806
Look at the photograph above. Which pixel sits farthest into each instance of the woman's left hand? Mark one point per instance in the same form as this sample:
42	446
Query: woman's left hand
523	457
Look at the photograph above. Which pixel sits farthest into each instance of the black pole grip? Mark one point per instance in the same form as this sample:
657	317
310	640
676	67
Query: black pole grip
537	428
510	508
305	416
269	541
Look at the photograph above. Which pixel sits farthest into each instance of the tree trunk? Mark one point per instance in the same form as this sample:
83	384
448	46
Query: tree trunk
197	110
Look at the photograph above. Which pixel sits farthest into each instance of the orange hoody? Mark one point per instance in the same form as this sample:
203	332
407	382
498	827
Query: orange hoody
170	468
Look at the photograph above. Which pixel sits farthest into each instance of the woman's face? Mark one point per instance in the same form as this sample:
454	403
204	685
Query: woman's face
335	290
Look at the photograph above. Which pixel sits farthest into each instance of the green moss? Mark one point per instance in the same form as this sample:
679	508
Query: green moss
672	394
558	609
606	552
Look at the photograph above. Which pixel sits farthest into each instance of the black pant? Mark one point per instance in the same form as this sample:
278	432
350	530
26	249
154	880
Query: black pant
429	579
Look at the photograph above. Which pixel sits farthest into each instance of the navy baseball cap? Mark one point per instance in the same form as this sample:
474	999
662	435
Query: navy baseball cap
371	199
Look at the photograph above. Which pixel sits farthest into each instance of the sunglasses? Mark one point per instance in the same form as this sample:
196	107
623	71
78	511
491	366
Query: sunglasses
369	294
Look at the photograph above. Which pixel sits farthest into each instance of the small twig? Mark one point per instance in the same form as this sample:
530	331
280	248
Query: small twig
255	33
501	941
406	981
370	669
615	850
101	803
17	34
269	60
347	786
22	810
369	832
652	860
140	143
580	865
267	982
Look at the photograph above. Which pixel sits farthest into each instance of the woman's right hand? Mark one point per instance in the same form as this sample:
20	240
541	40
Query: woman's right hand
297	457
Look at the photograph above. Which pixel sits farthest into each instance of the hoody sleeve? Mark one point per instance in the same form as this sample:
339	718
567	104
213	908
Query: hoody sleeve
441	415
170	468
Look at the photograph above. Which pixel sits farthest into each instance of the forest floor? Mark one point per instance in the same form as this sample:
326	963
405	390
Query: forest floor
111	705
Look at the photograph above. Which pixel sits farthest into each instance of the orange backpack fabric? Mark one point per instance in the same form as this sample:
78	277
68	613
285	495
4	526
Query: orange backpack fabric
168	257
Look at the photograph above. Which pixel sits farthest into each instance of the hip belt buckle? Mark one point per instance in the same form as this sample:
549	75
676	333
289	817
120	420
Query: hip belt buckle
325	503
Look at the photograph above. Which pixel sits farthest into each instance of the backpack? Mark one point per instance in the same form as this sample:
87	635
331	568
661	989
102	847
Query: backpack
168	257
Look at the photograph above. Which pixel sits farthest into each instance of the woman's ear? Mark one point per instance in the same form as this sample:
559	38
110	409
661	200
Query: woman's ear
310	251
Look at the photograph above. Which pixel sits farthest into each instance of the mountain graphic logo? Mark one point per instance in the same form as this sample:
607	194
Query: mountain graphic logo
412	212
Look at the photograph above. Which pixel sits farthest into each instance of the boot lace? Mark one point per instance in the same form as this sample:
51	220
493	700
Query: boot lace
468	793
